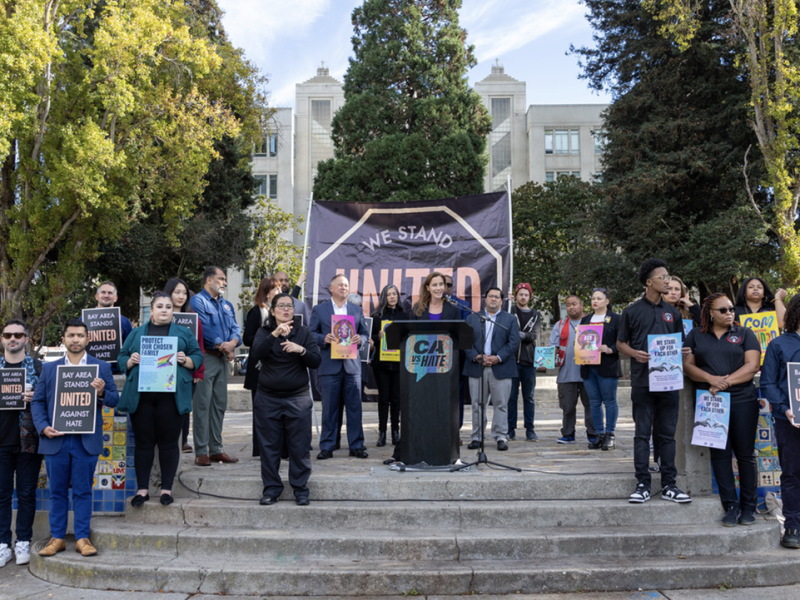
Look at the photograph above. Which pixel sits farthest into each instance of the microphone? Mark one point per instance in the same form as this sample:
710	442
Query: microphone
447	298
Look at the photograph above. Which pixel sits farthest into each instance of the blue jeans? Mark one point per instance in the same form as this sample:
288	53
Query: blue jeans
72	465
27	470
336	389
602	390
527	376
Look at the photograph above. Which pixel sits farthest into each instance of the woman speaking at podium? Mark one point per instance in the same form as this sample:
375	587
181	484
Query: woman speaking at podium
431	305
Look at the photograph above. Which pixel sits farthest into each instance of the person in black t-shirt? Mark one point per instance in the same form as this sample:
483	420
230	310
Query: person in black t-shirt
725	357
754	296
651	315
19	449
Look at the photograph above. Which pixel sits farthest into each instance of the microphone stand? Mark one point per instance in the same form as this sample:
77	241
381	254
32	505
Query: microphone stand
481	457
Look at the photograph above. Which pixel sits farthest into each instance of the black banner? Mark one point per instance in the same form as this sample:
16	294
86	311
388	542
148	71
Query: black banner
400	243
187	320
76	400
12	386
105	332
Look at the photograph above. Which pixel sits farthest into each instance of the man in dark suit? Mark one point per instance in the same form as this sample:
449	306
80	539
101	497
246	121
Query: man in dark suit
71	458
494	357
340	380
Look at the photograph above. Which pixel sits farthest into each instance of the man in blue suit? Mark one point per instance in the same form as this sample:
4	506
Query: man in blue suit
340	380
495	359
71	458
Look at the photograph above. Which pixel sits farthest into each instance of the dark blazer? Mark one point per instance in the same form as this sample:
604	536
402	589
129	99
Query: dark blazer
609	363
320	326
504	345
252	324
449	313
187	343
43	404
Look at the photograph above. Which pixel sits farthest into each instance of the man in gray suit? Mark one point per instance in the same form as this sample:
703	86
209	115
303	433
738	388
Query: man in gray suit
340	380
492	356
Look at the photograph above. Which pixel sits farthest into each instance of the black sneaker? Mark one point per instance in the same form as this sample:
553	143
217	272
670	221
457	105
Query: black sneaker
673	494
731	518
748	517
474	445
640	495
791	539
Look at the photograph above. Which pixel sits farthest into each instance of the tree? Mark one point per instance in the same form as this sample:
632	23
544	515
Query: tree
552	223
410	128
764	36
676	136
272	251
105	120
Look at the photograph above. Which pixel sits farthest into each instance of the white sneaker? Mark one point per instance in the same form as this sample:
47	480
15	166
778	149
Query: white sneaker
5	554
640	495
673	494
23	552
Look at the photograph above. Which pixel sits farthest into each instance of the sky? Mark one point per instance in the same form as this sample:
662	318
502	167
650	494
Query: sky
289	39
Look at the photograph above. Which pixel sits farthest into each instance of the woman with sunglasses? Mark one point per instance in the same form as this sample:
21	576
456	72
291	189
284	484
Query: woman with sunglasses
282	404
725	357
754	296
387	373
781	351
601	380
157	417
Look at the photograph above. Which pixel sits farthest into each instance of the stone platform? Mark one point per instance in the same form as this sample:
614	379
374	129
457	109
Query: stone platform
563	524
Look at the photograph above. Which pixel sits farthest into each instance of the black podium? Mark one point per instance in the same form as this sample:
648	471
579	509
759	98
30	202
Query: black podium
429	370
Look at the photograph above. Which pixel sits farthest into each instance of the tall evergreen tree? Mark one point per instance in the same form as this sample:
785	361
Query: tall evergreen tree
410	128
676	135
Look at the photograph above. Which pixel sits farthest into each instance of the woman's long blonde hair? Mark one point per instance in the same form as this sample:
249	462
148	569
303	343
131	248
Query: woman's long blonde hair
684	292
424	294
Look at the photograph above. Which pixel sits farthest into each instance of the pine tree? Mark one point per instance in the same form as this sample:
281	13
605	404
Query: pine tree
410	128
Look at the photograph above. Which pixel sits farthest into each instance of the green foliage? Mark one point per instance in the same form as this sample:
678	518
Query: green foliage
677	135
553	224
410	128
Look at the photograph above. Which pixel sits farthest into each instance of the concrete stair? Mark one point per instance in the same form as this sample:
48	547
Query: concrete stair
390	533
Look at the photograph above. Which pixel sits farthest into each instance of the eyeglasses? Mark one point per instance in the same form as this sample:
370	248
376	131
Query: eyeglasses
284	306
665	278
16	336
495	297
725	310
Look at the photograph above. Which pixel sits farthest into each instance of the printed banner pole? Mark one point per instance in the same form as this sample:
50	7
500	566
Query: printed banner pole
305	245
510	247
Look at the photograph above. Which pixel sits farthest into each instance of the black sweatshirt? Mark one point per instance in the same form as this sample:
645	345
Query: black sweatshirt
283	374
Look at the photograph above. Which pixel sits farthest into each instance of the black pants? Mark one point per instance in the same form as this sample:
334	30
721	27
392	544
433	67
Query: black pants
279	421
661	408
186	419
156	422
741	435
388	398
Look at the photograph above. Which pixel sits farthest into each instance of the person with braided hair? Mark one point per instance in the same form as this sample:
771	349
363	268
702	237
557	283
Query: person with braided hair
725	357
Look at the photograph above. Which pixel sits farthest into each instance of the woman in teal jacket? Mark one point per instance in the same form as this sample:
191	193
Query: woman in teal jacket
157	417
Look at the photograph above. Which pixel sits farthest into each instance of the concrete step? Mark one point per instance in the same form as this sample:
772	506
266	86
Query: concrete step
294	576
396	486
205	544
401	516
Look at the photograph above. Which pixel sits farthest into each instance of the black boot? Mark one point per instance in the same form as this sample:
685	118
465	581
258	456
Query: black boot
609	443
598	442
395	437
381	439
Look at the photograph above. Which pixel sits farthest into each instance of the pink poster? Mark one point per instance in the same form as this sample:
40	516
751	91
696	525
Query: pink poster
343	327
588	339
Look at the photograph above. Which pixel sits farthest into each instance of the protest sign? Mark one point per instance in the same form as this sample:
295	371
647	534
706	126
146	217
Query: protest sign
386	354
793	380
76	400
711	419
158	365
545	357
587	344
12	386
666	362
764	325
343	327
688	325
186	320
104	327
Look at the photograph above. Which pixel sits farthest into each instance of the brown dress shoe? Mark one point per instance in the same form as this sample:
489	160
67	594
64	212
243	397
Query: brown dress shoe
84	546
202	460
223	458
53	546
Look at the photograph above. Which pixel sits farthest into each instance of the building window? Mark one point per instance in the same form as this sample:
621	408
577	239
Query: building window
549	176
500	142
574	141
562	141
548	141
599	141
261	185
321	142
273	145
273	186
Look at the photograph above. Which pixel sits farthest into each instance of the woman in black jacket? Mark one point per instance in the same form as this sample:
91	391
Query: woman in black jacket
431	305
601	380
387	373
282	405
